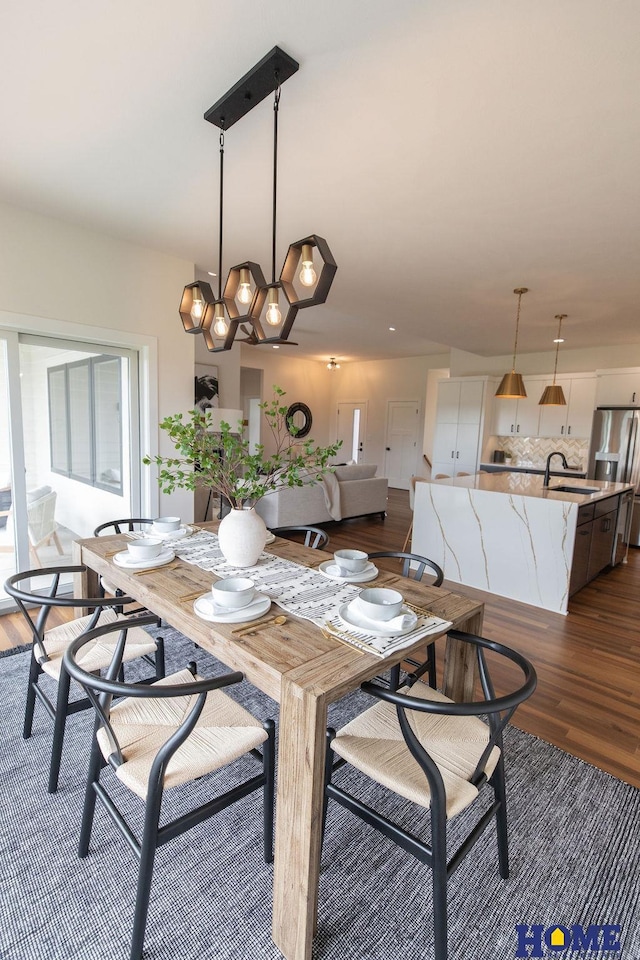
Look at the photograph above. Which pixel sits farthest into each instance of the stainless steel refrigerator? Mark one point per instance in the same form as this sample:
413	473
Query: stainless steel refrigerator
614	455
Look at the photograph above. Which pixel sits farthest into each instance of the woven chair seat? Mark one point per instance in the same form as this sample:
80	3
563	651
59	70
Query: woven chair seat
224	732
97	654
373	743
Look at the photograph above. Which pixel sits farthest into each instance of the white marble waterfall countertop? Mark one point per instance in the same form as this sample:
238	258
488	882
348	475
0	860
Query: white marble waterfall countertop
530	485
504	532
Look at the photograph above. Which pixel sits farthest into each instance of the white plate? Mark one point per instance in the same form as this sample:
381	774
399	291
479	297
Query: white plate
205	608
331	569
352	619
174	534
270	537
124	560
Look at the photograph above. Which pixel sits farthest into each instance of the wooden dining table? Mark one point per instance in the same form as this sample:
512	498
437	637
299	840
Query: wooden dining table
304	671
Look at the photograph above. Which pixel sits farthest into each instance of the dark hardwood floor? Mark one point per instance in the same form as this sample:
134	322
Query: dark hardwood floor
588	663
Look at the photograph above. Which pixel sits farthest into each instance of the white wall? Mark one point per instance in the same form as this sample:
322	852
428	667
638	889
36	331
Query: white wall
379	381
58	277
304	381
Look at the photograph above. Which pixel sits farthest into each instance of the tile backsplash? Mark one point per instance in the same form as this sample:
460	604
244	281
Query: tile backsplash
535	450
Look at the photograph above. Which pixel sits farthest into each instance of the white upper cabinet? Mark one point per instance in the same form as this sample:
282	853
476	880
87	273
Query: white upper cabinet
574	419
459	425
518	418
618	388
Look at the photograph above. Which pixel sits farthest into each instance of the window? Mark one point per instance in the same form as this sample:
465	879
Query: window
85	423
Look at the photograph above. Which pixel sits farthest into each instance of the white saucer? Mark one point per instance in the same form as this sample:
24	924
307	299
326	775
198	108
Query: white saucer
270	537
174	534
331	569
205	608
123	560
377	629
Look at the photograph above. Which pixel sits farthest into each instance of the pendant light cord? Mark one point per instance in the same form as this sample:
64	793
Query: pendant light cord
221	214
276	104
559	317
515	345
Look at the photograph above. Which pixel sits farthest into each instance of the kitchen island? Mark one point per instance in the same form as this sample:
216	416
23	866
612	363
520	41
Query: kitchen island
509	535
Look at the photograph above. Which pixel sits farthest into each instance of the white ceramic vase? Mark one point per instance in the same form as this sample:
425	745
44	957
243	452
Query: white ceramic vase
242	535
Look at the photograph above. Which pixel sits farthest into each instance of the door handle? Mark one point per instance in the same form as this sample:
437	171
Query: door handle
518	428
561	430
568	429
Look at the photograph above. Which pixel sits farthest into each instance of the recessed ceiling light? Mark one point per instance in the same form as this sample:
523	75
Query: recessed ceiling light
211	273
276	346
392	328
559	340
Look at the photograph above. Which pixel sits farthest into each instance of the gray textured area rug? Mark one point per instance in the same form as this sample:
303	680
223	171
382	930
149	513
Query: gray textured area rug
575	846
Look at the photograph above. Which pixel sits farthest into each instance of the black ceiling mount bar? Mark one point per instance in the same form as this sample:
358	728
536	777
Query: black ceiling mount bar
257	84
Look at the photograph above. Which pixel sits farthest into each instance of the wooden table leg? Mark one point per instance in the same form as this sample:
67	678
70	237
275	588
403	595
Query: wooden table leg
460	666
302	731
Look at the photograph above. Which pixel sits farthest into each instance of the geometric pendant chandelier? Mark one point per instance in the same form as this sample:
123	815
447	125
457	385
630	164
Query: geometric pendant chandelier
270	309
553	396
512	385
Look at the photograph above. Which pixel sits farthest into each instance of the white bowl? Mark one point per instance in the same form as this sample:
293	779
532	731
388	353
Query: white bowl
233	593
167	524
146	548
351	561
379	603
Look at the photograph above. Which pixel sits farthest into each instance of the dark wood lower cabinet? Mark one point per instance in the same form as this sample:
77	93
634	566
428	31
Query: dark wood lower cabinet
595	534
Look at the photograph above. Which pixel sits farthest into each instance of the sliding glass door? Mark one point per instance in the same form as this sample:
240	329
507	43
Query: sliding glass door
69	447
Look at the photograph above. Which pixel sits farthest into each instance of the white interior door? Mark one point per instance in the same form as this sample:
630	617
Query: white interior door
352	430
403	419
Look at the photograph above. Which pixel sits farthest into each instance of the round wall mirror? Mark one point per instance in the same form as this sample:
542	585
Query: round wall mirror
300	416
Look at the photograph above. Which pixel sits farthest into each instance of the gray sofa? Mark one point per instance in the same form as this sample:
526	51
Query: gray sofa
352	490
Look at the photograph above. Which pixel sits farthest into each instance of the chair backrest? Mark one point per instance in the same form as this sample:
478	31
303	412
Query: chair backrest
48	596
420	563
312	537
101	690
497	710
41	517
128	525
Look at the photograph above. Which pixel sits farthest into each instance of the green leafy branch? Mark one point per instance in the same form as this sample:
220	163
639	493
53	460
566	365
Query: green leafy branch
222	460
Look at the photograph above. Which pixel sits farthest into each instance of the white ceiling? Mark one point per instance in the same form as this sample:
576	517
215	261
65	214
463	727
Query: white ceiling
448	150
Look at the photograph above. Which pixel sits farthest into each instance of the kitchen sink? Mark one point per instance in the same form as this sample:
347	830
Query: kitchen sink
566	489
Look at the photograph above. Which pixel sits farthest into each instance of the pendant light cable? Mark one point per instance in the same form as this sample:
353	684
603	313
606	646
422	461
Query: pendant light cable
221	214
276	105
559	317
519	291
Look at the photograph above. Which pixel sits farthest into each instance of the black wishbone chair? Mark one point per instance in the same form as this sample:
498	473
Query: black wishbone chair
421	565
437	754
313	537
48	647
158	756
110	528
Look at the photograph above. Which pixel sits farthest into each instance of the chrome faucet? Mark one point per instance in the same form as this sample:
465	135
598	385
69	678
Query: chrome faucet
547	472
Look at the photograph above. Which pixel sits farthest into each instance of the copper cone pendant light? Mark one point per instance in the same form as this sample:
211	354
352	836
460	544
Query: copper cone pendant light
512	385
553	396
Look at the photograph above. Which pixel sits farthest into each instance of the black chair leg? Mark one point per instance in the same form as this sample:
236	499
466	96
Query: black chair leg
268	765
145	870
34	672
96	763
160	673
431	669
60	721
439	879
501	818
